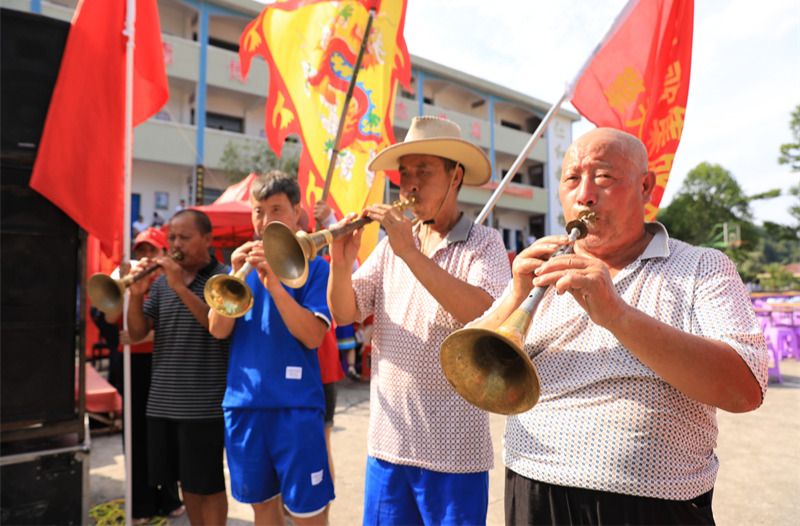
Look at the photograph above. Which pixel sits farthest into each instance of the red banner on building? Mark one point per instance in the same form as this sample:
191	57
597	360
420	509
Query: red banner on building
639	81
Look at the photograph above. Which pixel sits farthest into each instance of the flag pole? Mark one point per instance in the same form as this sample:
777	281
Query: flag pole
566	97
130	21
343	117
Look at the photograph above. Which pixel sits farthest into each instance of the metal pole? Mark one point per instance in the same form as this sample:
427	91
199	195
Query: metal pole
520	159
350	88
130	21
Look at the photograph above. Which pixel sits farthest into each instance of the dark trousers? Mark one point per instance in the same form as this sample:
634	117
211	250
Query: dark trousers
148	500
531	502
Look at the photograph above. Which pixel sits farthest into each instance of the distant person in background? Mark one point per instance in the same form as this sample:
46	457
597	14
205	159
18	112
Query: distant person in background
158	220
139	226
181	207
185	426
148	501
520	242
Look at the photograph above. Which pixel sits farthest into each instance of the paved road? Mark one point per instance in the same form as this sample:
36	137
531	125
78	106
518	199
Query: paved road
758	482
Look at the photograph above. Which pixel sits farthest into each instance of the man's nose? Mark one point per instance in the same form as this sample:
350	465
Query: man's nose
587	192
410	187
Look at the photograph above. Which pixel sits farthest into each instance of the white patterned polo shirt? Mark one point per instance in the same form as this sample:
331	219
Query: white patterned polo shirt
604	420
416	418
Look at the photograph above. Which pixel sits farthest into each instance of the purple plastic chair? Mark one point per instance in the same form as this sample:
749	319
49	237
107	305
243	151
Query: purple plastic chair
784	340
775	370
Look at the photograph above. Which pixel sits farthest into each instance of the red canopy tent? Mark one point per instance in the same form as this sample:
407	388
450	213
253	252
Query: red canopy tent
230	215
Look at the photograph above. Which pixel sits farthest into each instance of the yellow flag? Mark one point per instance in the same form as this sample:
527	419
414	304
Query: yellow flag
311	49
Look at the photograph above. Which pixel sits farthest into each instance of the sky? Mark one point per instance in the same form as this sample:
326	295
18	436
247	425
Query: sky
745	77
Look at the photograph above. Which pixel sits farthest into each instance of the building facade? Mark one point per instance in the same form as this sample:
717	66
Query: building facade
212	105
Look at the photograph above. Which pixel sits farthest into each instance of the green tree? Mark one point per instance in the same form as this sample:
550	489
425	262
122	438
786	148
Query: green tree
790	154
240	161
710	195
775	277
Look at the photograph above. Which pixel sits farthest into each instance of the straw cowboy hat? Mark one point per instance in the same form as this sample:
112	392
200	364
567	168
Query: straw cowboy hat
442	138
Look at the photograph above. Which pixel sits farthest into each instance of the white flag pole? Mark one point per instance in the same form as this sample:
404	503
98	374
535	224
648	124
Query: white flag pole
130	21
566	97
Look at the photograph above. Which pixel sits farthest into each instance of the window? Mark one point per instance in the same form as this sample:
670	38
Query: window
210	195
217	121
532	123
536	226
230	46
517	177
536	175
512	125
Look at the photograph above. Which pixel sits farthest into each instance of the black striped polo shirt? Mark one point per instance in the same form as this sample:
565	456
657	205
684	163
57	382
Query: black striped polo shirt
189	364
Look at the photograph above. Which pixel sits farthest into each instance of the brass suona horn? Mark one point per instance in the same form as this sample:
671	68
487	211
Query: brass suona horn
229	295
288	253
490	369
107	293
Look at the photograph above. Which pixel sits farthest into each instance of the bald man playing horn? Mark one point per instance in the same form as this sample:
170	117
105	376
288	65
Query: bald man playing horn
429	450
643	338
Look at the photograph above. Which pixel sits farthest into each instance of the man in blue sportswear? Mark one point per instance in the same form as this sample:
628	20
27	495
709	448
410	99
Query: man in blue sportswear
274	403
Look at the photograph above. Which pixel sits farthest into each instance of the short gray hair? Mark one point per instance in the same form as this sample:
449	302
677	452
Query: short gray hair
273	183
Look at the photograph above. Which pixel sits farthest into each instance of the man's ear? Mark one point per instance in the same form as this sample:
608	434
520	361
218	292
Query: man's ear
459	176
648	186
208	239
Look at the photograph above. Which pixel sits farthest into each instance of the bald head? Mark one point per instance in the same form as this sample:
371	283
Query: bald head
625	144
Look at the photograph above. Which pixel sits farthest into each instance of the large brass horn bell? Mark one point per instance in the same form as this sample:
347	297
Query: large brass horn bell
107	293
229	295
489	368
288	253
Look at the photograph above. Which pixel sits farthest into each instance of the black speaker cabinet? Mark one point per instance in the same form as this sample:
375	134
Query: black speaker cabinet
40	268
31	47
40	274
49	486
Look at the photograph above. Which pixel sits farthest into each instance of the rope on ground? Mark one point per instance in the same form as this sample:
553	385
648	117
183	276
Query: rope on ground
112	513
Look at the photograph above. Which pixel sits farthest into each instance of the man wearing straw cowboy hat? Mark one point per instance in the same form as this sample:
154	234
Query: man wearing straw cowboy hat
429	450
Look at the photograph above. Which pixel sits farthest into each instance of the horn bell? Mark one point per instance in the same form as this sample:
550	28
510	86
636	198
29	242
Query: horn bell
229	296
490	370
288	253
106	293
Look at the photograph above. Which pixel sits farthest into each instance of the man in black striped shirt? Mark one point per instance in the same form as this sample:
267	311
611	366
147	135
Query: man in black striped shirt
184	407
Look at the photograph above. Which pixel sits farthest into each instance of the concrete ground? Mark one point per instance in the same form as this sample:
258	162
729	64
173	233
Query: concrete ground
758	481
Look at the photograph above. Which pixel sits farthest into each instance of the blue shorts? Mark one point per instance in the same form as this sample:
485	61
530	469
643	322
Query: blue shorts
279	451
402	495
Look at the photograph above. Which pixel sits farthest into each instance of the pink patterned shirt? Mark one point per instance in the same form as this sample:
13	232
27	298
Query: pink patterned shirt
416	418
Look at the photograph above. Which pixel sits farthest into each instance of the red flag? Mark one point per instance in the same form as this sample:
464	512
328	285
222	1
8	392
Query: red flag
638	81
80	162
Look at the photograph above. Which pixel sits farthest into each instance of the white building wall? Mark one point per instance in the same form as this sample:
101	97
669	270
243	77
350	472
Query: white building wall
218	102
254	121
559	137
173	19
150	177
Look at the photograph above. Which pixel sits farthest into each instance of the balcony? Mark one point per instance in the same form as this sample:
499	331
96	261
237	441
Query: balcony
506	140
519	197
162	142
222	67
223	70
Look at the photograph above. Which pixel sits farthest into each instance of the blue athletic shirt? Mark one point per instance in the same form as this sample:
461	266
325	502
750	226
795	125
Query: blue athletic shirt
268	367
